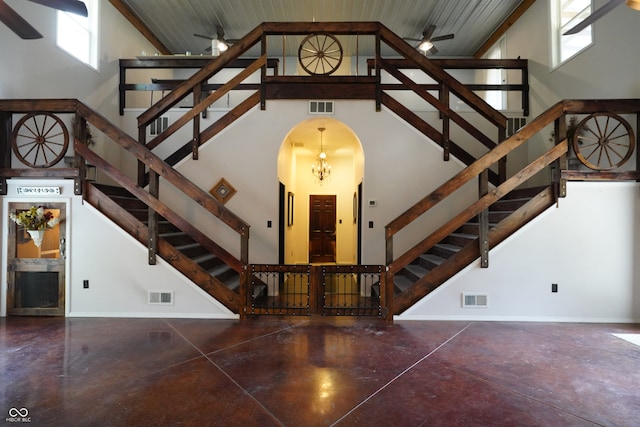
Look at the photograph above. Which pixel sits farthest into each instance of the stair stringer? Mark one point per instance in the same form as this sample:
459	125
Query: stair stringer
471	252
119	216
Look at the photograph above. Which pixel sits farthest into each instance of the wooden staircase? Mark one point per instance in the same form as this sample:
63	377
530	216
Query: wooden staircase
452	248
196	255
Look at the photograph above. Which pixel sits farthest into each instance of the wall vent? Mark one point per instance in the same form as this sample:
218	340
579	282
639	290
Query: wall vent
514	124
160	297
158	126
474	300
321	107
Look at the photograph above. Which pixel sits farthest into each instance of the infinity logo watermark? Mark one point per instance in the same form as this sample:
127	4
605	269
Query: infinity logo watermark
18	415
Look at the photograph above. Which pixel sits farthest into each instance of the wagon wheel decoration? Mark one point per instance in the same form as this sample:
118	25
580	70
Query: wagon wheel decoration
320	54
603	141
40	140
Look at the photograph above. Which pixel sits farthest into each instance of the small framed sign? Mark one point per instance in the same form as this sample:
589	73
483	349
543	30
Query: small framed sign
38	191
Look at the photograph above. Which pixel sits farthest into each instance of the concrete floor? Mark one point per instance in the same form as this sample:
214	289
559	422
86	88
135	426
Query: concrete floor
301	371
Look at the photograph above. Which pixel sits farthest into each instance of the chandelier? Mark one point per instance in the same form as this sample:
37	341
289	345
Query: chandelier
320	168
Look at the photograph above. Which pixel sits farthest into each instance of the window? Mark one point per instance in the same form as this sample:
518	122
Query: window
566	14
496	76
79	35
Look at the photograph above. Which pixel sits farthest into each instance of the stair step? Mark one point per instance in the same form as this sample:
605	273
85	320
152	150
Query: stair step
508	204
460	239
413	272
192	250
401	283
430	261
444	250
176	238
207	261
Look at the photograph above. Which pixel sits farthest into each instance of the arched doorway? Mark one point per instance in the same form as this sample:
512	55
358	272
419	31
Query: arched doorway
300	190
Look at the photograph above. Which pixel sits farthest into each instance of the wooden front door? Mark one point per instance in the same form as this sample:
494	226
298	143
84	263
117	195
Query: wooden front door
36	274
322	228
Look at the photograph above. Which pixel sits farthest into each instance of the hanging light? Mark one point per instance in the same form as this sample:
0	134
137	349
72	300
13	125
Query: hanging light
321	169
634	4
425	45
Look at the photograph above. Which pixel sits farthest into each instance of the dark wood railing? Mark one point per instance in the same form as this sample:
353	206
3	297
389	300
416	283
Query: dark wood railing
151	168
150	196
555	115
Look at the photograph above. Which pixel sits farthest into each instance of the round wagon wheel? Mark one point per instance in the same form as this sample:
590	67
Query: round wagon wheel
320	53
603	141
40	140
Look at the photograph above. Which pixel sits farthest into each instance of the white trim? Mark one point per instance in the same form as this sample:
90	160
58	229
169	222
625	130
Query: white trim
146	315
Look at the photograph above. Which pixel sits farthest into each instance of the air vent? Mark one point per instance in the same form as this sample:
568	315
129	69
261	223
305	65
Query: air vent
514	124
474	300
160	297
321	107
158	126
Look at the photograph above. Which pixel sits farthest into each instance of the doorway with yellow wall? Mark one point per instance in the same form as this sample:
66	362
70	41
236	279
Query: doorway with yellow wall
298	153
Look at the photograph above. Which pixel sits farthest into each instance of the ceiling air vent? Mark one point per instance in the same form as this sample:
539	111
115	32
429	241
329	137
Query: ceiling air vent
321	107
158	126
514	124
474	300
160	297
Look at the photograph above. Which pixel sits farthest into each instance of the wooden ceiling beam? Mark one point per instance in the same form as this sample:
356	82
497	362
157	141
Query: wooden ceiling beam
140	26
502	29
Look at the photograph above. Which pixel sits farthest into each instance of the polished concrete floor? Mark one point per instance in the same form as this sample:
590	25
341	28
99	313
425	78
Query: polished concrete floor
315	372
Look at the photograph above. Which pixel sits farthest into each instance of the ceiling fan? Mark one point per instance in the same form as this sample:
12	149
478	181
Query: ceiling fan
426	42
218	41
608	7
23	29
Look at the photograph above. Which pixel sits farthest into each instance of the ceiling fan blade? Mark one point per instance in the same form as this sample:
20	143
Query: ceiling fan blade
595	16
445	37
411	39
71	6
203	36
16	23
431	51
428	32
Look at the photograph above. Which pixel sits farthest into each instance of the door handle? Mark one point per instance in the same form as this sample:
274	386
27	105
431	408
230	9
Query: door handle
63	248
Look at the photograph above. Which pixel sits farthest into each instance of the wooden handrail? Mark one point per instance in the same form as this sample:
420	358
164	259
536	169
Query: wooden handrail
159	207
441	107
153	162
475	208
436	72
200	76
202	105
473	170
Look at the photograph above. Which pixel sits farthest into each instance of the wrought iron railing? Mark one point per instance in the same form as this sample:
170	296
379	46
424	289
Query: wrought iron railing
329	290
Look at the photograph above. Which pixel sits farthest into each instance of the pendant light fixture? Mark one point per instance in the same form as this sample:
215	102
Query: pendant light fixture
320	168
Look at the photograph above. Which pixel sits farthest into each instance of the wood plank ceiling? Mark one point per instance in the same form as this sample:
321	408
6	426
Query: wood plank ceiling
473	22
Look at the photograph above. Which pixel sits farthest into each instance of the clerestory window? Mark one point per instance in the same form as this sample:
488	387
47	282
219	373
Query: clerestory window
566	14
78	35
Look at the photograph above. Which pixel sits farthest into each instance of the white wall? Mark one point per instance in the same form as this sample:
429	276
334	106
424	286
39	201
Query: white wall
588	245
401	167
605	70
113	262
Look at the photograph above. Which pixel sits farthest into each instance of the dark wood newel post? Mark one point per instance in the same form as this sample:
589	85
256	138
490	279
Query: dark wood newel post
386	285
560	132
445	99
5	148
152	227
502	163
80	137
195	139
142	140
483	220
378	79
